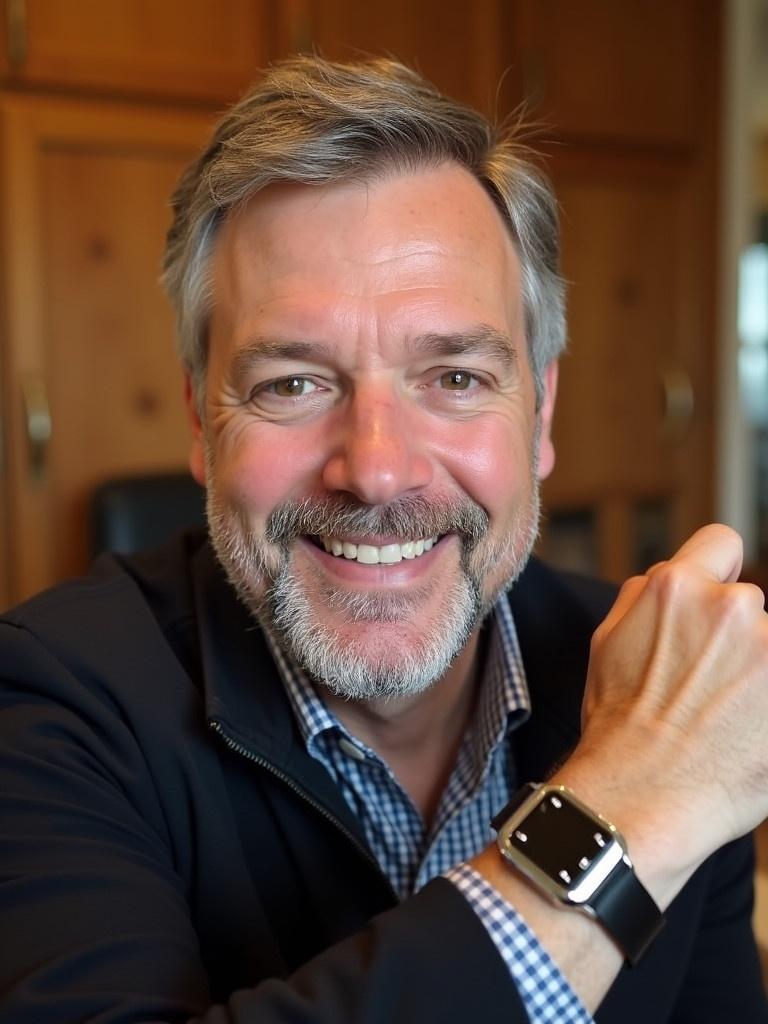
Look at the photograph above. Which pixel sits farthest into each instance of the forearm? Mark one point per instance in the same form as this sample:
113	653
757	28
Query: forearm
673	750
586	956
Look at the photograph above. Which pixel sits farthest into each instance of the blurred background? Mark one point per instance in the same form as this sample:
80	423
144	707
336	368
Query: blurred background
653	120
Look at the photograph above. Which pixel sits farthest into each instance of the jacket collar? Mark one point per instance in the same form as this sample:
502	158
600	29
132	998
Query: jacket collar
244	694
556	615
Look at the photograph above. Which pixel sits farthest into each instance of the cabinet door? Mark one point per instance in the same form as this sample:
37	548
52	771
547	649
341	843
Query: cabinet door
198	48
631	71
634	425
458	45
88	336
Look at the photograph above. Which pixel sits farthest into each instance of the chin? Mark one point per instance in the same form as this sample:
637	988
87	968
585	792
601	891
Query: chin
372	646
369	644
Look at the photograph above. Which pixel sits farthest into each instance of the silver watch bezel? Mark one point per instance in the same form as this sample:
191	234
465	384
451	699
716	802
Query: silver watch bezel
578	893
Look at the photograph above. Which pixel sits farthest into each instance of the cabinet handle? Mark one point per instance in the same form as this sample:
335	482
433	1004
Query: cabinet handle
39	426
678	403
16	19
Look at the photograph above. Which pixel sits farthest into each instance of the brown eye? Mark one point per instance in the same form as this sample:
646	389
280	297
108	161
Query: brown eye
456	380
292	387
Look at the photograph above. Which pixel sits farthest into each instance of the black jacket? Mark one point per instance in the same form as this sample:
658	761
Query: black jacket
166	843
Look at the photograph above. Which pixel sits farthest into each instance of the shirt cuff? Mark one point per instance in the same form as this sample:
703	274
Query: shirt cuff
547	996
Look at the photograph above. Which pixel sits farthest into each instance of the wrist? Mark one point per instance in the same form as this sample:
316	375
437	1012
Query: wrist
585	954
658	836
578	859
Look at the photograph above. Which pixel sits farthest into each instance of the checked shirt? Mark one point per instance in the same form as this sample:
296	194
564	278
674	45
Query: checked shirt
409	852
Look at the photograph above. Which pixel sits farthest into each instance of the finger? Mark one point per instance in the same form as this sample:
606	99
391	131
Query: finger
628	596
716	549
654	567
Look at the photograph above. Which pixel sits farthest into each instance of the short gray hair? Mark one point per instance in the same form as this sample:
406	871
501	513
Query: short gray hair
311	121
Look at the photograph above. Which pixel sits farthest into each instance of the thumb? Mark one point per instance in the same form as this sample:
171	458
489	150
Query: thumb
716	550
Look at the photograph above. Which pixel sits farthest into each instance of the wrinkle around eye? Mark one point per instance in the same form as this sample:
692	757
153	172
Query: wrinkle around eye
264	400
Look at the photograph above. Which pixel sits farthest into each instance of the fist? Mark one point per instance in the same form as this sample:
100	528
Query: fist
676	705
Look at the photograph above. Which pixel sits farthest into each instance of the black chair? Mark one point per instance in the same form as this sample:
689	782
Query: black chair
137	512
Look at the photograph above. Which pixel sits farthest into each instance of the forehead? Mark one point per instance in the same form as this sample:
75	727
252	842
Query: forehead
428	244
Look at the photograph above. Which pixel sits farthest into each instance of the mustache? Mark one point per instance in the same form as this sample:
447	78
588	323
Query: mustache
409	517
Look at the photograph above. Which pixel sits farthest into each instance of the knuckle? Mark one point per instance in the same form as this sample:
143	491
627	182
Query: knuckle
741	602
633	583
669	579
653	568
758	595
597	638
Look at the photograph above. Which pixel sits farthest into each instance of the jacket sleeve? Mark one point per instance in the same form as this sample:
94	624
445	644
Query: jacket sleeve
95	921
724	979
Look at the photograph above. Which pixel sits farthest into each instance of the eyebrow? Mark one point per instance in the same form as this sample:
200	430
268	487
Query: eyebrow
480	340
259	349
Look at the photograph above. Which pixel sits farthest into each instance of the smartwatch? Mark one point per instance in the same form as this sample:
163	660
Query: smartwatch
579	860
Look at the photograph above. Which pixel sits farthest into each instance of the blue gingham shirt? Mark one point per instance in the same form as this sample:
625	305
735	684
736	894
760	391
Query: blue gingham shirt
409	852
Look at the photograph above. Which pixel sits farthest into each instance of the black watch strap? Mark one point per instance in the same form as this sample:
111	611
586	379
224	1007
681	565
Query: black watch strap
509	809
622	904
628	913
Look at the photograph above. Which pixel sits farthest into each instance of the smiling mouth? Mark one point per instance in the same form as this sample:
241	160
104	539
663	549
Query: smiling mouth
371	554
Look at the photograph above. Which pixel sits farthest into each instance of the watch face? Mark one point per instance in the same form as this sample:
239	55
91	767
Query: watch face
558	842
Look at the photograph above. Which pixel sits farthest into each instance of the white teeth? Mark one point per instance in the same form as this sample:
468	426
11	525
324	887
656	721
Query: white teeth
369	554
390	553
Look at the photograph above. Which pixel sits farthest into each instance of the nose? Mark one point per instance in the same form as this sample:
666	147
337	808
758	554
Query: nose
380	454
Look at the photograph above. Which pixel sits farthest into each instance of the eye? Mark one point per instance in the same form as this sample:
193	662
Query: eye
291	387
457	380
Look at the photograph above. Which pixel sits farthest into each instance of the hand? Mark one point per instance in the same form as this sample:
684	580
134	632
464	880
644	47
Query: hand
675	741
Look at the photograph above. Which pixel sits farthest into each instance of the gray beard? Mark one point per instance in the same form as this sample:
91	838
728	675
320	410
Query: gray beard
368	667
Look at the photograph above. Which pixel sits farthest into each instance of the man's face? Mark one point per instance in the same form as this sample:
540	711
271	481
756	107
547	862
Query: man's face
369	442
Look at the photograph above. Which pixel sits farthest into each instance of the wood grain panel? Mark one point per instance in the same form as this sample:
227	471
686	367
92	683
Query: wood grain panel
197	48
84	204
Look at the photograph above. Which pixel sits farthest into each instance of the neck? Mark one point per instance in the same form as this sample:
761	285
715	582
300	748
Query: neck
419	736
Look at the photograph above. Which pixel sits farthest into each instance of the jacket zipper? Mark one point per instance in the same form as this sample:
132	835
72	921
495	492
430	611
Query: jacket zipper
249	755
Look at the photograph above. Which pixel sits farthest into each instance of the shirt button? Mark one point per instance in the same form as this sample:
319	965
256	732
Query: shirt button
349	748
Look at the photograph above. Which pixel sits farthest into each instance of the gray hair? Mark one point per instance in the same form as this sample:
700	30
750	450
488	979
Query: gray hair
311	121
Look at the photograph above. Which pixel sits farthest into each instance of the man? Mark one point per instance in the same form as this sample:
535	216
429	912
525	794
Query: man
278	809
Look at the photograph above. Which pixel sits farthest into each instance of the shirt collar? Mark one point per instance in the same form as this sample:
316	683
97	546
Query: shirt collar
503	704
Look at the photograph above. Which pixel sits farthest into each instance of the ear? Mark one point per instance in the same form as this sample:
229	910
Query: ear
197	449
546	412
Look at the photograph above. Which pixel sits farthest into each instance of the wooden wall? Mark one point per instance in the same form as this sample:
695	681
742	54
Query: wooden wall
102	104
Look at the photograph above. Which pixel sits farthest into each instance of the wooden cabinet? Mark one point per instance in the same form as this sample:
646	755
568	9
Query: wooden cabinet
201	49
88	336
633	430
461	46
627	96
630	72
626	93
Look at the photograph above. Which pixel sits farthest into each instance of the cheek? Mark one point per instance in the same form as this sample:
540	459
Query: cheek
491	463
264	467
